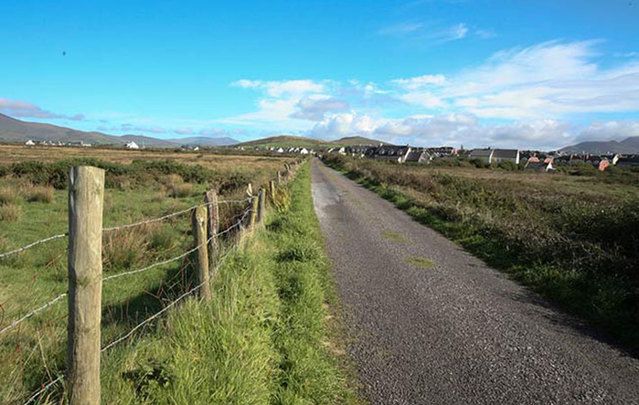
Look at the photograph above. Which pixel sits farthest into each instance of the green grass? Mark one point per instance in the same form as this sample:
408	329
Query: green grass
268	336
264	338
420	262
572	239
34	353
394	236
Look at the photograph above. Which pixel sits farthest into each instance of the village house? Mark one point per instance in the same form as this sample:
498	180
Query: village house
389	152
485	155
29	143
505	155
418	156
131	145
628	161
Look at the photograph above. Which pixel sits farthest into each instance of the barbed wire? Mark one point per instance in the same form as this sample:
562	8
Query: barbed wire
160	312
120	227
33	312
41	308
32	244
180	256
43	390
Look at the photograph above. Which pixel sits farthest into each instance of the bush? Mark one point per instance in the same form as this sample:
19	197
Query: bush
10	212
39	194
8	195
508	165
181	190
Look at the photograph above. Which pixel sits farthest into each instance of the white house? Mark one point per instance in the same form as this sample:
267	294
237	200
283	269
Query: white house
304	151
131	145
29	143
280	150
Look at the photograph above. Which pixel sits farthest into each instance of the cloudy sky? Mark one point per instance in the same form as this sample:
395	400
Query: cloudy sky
479	73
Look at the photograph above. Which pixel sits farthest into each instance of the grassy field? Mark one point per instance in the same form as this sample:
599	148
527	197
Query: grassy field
33	205
574	239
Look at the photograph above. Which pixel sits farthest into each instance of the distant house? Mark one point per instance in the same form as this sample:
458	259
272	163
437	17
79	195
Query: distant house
29	143
280	150
131	145
485	155
389	152
628	161
303	151
505	155
539	166
79	143
418	156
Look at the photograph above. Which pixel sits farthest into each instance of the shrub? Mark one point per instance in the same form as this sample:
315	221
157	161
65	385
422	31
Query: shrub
10	212
39	194
8	195
180	190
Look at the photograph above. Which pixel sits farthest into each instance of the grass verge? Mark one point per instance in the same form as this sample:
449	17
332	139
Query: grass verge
264	338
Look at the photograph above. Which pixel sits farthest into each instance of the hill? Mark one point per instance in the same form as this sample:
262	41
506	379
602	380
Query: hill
16	131
627	146
287	141
358	140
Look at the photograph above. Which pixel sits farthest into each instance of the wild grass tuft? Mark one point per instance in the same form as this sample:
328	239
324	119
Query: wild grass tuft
8	195
10	212
39	194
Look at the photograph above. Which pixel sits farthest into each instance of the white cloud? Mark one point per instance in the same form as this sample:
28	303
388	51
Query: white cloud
418	82
548	80
314	108
22	109
282	88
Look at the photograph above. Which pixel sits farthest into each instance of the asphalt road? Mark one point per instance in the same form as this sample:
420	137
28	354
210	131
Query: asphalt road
431	324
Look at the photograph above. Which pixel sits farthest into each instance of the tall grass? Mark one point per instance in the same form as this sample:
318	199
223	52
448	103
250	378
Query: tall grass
568	238
263	338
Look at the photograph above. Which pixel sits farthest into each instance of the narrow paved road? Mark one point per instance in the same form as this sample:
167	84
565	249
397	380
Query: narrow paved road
431	324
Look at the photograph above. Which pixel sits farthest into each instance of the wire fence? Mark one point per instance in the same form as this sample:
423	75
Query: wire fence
254	205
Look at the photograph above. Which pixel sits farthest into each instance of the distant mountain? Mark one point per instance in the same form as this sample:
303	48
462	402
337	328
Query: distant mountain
627	146
204	141
16	131
287	141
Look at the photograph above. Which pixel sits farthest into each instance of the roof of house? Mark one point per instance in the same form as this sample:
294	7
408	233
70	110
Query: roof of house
414	155
481	152
506	153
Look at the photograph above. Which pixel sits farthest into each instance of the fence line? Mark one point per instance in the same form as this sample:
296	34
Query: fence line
32	244
15	323
111	277
33	312
44	389
131	332
120	227
256	211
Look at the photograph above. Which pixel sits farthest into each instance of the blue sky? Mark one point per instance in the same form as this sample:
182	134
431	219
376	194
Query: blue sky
478	73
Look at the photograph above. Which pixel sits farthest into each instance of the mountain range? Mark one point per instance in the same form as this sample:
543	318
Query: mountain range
16	131
627	146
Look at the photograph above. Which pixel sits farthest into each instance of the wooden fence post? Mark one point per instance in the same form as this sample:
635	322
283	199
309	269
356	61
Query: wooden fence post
86	197
254	209
271	186
210	198
261	205
279	177
199	223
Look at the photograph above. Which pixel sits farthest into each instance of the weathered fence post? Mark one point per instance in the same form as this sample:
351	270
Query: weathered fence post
199	223
210	199
254	209
261	205
86	196
271	192
279	177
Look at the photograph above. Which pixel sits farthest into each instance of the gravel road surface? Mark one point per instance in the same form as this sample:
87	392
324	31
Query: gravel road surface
429	323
